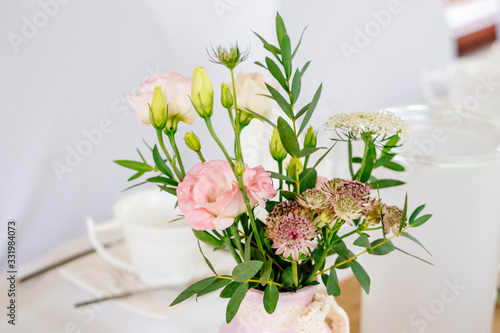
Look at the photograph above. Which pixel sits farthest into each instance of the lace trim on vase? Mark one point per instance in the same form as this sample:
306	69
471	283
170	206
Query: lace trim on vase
309	319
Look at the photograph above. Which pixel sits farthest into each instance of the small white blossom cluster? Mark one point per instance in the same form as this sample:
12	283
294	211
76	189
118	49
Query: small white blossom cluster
383	122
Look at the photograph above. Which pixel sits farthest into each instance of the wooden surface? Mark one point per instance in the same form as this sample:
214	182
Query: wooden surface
350	300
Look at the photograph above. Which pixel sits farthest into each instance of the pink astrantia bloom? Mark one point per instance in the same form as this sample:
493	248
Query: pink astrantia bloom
209	196
176	89
348	198
291	230
391	218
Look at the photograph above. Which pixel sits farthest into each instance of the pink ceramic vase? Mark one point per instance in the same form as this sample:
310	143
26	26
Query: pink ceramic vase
252	318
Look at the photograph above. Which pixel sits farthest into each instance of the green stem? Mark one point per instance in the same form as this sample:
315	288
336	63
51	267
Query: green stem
200	155
216	138
295	274
159	134
237	240
317	267
171	138
280	169
349	152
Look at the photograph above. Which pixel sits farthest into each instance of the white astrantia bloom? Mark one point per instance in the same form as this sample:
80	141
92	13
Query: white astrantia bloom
383	123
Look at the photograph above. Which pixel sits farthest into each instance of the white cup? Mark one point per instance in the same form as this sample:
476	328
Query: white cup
162	247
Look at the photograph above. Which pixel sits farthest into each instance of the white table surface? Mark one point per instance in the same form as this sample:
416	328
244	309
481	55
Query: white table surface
46	304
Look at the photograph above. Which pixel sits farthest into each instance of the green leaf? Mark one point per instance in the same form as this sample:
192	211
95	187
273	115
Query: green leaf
216	285
258	63
414	256
394	166
160	163
341	249
303	70
368	160
266	272
286	55
135	185
298	44
271	296
280	27
361	276
287	277
258	116
416	212
302	111
271	48
311	108
357	160
288	138
339	260
207	238
280	176
383	160
308	179
380	250
403	216
309	150
229	290
288	194
407	235
171	190
142	157
384	183
134	165
363	241
276	73
209	264
283	104
390	144
136	175
193	289
163	180
421	220
332	286
296	85
235	301
246	270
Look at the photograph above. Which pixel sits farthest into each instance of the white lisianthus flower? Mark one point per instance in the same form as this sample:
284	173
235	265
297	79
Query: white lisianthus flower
249	91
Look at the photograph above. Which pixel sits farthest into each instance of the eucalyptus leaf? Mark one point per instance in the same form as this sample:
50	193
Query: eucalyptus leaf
235	301
134	165
209	264
207	238
296	85
308	179
216	285
271	48
381	247
160	163
403	216
276	73
288	194
286	55
298	44
302	111
288	138
421	220
416	212
410	237
266	272
283	104
361	276
136	175
282	177
193	289
228	290
384	183
311	108
246	270
163	180
271	296
363	241
332	287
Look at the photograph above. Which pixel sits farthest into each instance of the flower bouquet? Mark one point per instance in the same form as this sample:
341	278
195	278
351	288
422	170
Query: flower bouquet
308	217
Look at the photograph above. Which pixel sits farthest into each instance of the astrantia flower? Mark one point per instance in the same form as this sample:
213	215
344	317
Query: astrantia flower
313	199
384	123
373	212
347	198
290	228
391	218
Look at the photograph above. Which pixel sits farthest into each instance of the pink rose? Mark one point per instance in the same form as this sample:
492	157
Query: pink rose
176	89
210	198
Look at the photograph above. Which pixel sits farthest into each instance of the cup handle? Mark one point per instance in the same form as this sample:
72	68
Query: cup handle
432	81
92	231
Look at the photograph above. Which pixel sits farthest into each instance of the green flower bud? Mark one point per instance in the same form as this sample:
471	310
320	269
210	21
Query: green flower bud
158	109
294	168
192	141
278	152
310	139
228	57
226	98
239	168
202	93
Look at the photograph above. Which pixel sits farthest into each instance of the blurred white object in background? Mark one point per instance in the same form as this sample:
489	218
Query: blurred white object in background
469	84
452	166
